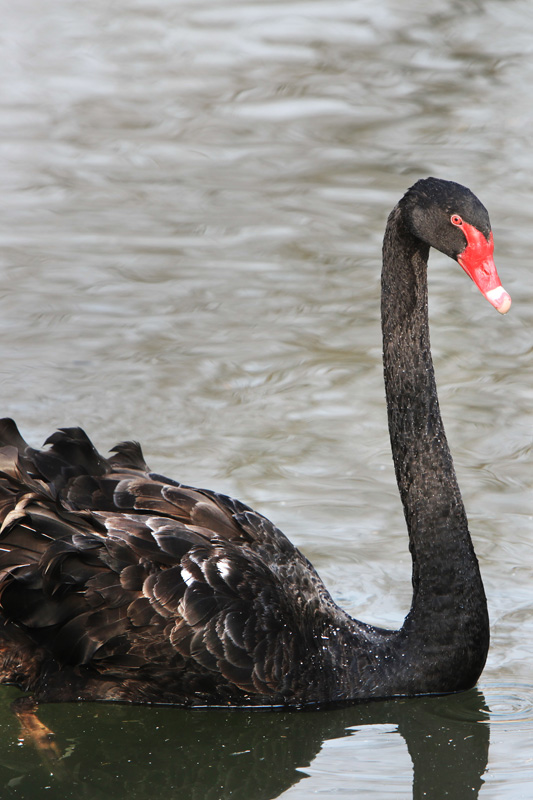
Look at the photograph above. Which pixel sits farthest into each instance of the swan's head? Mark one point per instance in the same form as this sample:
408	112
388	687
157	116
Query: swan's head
450	218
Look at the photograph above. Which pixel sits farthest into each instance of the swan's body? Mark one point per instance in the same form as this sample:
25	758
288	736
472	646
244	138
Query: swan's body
119	584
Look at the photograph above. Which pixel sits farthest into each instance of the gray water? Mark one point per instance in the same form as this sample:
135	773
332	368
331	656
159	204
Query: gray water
192	200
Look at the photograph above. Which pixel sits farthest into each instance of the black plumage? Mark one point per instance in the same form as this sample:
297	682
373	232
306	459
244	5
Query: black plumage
119	584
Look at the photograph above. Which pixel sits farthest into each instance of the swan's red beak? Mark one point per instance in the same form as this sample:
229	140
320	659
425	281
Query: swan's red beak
477	261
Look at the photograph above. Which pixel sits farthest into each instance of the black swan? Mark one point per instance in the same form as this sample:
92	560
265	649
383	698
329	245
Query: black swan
119	584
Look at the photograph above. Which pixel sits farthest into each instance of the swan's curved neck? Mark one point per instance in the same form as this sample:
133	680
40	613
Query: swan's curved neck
448	615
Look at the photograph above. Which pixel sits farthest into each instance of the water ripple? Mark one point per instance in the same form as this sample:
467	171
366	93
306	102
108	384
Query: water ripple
509	704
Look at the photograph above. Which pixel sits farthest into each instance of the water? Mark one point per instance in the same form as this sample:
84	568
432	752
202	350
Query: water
193	197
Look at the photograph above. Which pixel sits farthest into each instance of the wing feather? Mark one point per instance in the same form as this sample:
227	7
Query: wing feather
156	589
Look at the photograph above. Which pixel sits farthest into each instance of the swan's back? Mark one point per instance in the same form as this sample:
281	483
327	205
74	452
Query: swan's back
117	583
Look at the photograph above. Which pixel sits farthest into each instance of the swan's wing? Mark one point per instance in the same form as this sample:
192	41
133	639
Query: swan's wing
155	607
73	474
165	592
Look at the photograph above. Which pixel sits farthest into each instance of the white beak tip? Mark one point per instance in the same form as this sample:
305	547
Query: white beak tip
499	298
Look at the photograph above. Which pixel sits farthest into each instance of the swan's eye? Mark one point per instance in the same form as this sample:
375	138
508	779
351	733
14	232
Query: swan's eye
456	219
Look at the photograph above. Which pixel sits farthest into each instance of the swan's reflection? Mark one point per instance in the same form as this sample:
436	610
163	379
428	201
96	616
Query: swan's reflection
154	753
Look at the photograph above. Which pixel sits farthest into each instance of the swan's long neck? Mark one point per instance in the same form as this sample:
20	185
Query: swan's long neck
447	626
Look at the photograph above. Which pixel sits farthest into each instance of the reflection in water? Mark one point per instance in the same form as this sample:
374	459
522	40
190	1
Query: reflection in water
157	753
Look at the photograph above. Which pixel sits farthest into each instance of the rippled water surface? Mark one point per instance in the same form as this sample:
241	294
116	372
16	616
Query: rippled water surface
192	201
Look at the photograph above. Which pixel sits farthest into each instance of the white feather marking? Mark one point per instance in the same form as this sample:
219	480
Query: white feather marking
187	576
224	568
